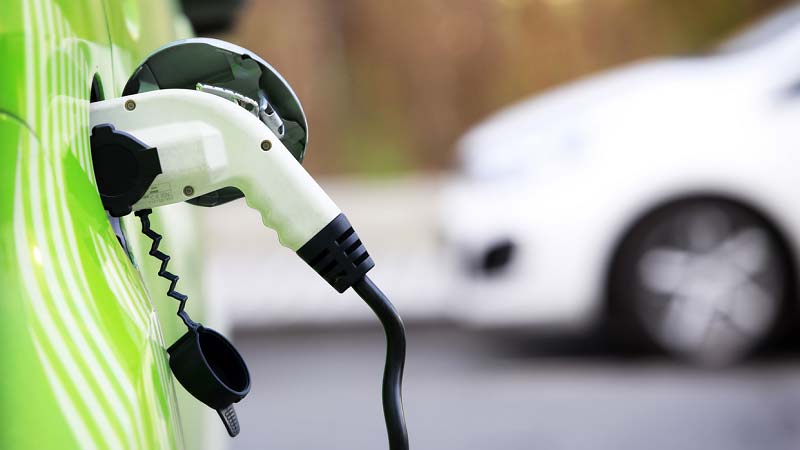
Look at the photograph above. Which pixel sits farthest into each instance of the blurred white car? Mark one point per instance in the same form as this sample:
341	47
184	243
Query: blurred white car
662	198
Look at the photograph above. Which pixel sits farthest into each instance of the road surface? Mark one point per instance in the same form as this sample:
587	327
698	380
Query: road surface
318	389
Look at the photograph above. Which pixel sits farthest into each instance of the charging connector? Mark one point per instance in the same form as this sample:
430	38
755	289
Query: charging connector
203	148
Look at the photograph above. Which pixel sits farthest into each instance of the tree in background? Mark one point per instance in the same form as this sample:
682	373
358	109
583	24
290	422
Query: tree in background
389	86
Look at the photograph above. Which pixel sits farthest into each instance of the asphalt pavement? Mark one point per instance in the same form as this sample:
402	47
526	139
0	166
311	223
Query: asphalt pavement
319	389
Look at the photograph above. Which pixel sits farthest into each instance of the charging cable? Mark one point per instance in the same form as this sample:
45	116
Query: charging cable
395	361
337	254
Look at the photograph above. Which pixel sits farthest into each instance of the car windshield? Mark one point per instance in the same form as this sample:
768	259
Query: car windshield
764	30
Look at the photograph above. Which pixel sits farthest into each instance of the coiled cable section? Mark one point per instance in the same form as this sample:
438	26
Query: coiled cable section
162	271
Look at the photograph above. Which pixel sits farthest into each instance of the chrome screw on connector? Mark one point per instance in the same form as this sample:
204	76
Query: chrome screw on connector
266	145
130	105
188	191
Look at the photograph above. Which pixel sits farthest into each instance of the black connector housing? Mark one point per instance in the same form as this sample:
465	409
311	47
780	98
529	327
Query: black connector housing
124	168
337	254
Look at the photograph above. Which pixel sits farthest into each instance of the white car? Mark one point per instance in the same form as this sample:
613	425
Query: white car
662	198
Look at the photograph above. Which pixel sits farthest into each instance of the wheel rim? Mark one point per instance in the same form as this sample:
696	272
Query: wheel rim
710	282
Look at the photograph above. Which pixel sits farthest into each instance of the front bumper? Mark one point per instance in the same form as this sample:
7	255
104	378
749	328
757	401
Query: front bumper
551	278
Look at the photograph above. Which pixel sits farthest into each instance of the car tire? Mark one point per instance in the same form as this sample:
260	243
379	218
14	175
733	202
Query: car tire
707	280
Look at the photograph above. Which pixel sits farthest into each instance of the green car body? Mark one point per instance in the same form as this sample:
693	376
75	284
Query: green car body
83	349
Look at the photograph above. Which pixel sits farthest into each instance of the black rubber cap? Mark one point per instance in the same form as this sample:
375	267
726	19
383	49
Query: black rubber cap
210	368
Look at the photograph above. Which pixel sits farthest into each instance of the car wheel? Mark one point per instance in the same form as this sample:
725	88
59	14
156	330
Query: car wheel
704	279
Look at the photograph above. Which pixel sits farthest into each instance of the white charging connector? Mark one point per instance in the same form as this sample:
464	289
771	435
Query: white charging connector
205	143
171	145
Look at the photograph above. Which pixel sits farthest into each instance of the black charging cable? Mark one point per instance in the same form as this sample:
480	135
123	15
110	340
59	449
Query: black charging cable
337	255
395	361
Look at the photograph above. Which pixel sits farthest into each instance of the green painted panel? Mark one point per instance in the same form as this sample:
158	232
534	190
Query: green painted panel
83	355
83	340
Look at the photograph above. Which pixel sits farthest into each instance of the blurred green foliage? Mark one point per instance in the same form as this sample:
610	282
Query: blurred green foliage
389	86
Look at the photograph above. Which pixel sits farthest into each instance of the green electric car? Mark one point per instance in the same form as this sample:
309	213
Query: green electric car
83	317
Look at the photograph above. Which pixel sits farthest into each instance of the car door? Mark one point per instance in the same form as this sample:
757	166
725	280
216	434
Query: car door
83	356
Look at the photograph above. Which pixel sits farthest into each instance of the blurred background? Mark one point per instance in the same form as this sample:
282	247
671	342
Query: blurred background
583	210
390	87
